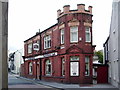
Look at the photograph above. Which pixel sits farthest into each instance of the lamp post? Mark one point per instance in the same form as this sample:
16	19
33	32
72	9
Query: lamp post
3	43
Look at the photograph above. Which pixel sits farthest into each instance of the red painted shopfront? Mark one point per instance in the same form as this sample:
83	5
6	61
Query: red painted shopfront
64	51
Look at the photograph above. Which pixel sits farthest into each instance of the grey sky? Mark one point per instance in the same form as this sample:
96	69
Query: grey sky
26	17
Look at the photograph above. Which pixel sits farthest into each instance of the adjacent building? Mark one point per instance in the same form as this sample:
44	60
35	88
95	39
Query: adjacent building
111	46
98	67
64	51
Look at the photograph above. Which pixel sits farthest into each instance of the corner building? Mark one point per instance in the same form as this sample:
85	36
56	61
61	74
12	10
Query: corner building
65	52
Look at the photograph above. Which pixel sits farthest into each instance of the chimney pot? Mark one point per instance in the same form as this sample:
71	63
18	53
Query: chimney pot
58	12
90	9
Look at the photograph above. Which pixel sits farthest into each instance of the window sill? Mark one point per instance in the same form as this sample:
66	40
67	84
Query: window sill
47	48
74	42
48	75
74	76
30	74
87	41
62	43
87	75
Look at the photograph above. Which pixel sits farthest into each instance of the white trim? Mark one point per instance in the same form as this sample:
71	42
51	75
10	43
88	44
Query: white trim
42	56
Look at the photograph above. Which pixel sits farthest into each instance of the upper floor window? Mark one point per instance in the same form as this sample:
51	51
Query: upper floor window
30	48
48	67
74	34
62	36
47	42
88	34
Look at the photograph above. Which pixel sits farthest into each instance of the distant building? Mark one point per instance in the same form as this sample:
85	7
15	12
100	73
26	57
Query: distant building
15	61
111	46
64	51
11	61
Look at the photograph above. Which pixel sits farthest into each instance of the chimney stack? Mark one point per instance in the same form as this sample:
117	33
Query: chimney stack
81	7
90	9
58	12
66	9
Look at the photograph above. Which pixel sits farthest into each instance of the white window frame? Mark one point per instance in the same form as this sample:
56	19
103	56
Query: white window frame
87	31
47	63
74	65
47	42
29	48
62	36
74	58
30	68
63	66
74	68
87	68
73	30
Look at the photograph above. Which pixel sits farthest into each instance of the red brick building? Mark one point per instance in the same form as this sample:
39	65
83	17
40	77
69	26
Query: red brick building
64	51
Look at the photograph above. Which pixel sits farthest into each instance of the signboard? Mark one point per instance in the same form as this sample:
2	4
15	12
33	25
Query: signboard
74	68
42	56
36	46
50	54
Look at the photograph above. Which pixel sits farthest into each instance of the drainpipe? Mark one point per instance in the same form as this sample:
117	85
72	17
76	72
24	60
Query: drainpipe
40	46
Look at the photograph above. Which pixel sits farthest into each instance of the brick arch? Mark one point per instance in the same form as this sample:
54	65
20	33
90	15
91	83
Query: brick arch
74	49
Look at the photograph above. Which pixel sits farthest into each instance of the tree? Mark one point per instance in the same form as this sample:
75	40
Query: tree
100	56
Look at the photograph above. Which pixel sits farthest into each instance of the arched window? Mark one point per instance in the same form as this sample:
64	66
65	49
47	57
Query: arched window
30	68
48	67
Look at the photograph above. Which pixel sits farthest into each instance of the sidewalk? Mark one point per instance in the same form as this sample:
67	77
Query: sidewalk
75	86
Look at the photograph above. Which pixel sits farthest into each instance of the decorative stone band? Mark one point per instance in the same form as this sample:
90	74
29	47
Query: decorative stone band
87	24
47	33
42	56
61	26
71	12
55	28
28	42
73	23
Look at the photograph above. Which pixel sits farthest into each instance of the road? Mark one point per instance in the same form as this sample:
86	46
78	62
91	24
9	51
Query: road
14	82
